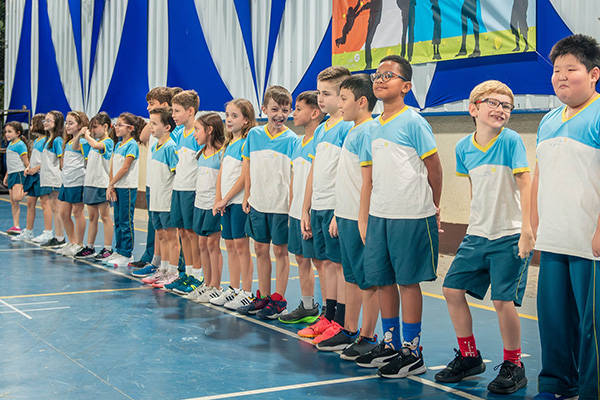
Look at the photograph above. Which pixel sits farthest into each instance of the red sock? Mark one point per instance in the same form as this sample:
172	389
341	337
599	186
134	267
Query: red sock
514	356
467	346
276	296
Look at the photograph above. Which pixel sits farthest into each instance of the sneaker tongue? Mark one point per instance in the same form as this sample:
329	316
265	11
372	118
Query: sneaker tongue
405	351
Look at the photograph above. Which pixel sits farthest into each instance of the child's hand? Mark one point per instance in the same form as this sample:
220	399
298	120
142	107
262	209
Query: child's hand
333	229
305	226
5	181
246	205
596	243
362	229
219	207
526	244
111	193
27	171
438	219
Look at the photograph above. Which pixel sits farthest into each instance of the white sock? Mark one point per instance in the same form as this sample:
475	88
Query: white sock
172	269
197	272
189	269
155	260
60	238
308	302
164	266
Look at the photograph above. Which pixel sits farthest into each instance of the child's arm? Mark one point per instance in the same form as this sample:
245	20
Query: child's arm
25	159
120	174
291	189
94	144
76	138
434	176
526	241
305	223
145	134
596	240
247	183
218	199
534	217
235	189
365	200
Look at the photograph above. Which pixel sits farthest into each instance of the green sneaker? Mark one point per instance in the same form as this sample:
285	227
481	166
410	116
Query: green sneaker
301	315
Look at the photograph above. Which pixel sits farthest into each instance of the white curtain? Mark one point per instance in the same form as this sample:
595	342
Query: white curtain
14	24
158	43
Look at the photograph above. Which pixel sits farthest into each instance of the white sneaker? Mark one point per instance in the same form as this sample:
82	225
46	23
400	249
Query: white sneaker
25	234
71	250
44	237
196	293
225	297
121	261
61	250
108	260
209	294
242	299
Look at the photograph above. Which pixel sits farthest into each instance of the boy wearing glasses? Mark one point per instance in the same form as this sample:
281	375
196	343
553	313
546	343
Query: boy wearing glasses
401	246
499	240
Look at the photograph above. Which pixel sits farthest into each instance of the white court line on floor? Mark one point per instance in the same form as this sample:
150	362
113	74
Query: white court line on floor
23	248
15	309
36	309
438	367
29	304
444	388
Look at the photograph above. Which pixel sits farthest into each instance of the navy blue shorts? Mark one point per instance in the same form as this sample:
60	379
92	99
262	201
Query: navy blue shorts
353	250
480	262
233	222
71	195
182	209
94	195
401	251
204	222
16	178
326	247
161	219
296	243
267	227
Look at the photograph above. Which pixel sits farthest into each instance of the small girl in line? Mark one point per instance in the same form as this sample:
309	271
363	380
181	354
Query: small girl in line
95	185
239	119
32	184
209	132
17	159
73	175
50	175
122	188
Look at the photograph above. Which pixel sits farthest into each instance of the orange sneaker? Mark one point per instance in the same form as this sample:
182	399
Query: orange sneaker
315	329
334	329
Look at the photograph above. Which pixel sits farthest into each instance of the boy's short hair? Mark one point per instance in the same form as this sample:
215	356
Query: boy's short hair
335	74
480	91
166	116
187	99
310	98
405	67
360	85
584	48
161	94
279	94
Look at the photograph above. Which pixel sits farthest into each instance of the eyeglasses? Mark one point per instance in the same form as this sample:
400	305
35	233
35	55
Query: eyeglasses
69	123
118	125
493	103
47	120
386	76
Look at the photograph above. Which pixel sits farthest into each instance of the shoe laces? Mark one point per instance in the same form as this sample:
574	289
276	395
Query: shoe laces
505	369
457	359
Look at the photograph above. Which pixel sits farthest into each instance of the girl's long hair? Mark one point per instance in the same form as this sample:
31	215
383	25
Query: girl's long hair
217	135
247	110
138	124
59	127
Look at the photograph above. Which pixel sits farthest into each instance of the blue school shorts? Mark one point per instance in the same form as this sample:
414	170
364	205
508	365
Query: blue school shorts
401	251
352	249
204	222
161	219
182	209
296	243
480	262
94	195
16	178
326	247
33	188
233	222
267	227
71	195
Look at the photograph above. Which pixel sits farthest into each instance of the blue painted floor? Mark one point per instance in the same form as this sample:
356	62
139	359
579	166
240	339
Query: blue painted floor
75	330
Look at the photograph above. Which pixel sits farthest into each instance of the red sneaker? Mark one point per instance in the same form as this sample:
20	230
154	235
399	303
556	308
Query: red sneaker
330	332
315	329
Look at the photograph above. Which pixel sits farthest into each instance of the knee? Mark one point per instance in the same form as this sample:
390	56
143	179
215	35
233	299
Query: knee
503	306
453	295
280	251
261	249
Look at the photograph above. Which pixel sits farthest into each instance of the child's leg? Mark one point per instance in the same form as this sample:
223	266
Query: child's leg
107	224
65	216
193	240
389	301
242	247
79	223
162	241
263	267
307	278
282	268
205	256
233	263
510	329
186	246
55	206
332	289
370	302
169	240
93	213
128	213
340	307
150	234
31	203
354	300
459	311
14	204
216	258
322	278
47	211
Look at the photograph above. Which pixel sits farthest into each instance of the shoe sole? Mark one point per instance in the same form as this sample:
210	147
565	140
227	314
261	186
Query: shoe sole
377	362
510	390
269	317
473	371
406	371
352	358
307	320
337	347
83	257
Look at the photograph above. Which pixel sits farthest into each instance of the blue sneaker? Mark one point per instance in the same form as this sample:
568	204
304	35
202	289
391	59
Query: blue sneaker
255	305
273	310
182	277
188	285
144	272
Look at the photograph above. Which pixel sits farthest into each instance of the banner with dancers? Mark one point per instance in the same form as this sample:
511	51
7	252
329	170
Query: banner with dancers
429	30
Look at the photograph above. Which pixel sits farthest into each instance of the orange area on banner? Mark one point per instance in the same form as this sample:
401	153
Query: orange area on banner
343	13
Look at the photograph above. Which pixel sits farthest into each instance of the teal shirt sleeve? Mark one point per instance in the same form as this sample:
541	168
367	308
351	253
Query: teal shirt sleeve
364	149
133	150
57	146
172	158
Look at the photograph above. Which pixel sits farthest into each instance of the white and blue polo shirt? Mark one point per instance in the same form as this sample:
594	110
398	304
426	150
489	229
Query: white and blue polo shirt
50	175
161	175
232	169
301	162
356	153
400	186
36	152
206	183
127	148
14	151
270	168
98	165
187	148
495	206
568	156
326	150
73	171
152	141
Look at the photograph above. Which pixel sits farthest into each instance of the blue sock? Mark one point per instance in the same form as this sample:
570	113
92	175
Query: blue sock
391	332
412	337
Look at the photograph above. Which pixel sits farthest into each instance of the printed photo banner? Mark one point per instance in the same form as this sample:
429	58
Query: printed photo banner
364	31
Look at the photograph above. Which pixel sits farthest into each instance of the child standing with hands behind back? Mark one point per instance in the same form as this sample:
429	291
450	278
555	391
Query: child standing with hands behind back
17	160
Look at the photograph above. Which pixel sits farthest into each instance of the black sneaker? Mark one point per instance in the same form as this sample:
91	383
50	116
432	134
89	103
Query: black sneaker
86	252
510	378
403	365
137	264
361	346
339	341
103	254
460	368
53	243
377	357
301	314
